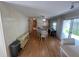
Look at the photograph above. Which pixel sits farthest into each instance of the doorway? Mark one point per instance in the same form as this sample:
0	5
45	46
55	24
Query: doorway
32	26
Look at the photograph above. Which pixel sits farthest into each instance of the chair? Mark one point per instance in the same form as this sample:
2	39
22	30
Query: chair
39	32
44	34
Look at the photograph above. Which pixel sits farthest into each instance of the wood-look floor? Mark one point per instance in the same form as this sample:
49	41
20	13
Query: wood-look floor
41	48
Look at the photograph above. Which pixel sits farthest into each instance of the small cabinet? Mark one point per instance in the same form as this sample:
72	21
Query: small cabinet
15	48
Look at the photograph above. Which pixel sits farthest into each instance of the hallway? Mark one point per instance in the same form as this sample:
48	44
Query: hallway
37	48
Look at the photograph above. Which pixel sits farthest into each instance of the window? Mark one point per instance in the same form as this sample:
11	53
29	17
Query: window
54	25
71	30
75	30
66	28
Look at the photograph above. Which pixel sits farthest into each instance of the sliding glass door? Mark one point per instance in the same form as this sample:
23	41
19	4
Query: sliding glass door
66	28
71	30
75	29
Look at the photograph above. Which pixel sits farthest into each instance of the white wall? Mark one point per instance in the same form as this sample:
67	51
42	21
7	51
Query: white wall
14	24
59	27
2	41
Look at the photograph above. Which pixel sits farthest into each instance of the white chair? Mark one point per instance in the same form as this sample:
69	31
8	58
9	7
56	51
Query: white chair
44	34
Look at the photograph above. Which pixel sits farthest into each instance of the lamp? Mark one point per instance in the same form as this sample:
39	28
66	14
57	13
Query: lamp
73	4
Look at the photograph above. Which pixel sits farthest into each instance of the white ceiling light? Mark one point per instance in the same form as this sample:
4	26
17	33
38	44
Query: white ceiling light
44	19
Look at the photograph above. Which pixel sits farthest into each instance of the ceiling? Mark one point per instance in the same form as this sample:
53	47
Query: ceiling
45	8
